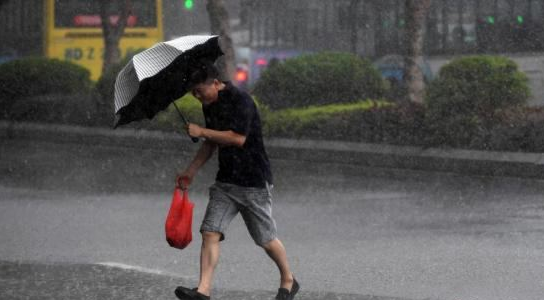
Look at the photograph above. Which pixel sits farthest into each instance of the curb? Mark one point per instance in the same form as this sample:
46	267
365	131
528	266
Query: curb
467	162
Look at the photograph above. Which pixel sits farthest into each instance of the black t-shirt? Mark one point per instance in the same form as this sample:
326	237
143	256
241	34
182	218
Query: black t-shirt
249	165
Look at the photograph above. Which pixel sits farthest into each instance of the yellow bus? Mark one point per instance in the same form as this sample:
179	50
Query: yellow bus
74	33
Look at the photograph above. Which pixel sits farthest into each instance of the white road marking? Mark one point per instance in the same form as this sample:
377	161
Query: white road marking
142	269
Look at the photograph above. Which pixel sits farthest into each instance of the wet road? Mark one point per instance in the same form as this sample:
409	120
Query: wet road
57	281
347	232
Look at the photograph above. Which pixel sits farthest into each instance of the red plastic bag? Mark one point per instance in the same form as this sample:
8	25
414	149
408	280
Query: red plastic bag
179	221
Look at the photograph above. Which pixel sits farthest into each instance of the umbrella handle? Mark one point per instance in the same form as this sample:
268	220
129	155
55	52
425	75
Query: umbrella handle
194	139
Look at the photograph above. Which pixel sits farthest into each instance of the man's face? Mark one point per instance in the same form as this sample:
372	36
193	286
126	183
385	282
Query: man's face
206	92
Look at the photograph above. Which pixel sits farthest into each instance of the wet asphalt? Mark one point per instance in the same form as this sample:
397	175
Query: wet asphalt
350	232
85	281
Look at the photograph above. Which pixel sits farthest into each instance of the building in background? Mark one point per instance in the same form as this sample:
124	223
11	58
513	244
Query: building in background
188	17
268	30
70	29
22	29
374	28
277	29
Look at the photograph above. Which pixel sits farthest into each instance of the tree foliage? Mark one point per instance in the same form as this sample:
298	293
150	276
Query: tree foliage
469	96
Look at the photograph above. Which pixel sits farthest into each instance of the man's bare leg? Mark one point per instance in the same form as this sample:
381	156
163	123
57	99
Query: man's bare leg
276	251
209	256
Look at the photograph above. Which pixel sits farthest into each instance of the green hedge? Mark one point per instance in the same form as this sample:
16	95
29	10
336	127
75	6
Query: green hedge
40	76
29	88
365	121
362	121
298	122
318	79
25	78
75	109
465	101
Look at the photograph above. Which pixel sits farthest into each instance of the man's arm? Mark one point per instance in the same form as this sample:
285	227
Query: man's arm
227	138
202	156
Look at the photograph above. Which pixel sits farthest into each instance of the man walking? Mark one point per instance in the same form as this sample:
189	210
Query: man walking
243	183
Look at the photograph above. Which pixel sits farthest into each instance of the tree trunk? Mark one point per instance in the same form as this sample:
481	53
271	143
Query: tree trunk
378	32
496	9
445	26
416	10
219	21
113	32
353	6
461	37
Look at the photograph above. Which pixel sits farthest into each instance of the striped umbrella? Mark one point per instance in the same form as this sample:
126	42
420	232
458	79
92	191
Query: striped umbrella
157	76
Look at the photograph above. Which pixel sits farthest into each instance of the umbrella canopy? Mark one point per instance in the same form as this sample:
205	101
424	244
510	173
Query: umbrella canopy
159	75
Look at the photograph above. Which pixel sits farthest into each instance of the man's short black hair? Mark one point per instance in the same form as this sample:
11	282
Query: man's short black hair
202	72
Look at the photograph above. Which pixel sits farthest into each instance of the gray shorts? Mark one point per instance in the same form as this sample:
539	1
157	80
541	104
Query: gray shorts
254	204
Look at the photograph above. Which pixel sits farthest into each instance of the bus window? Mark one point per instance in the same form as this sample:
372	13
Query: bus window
74	32
82	13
